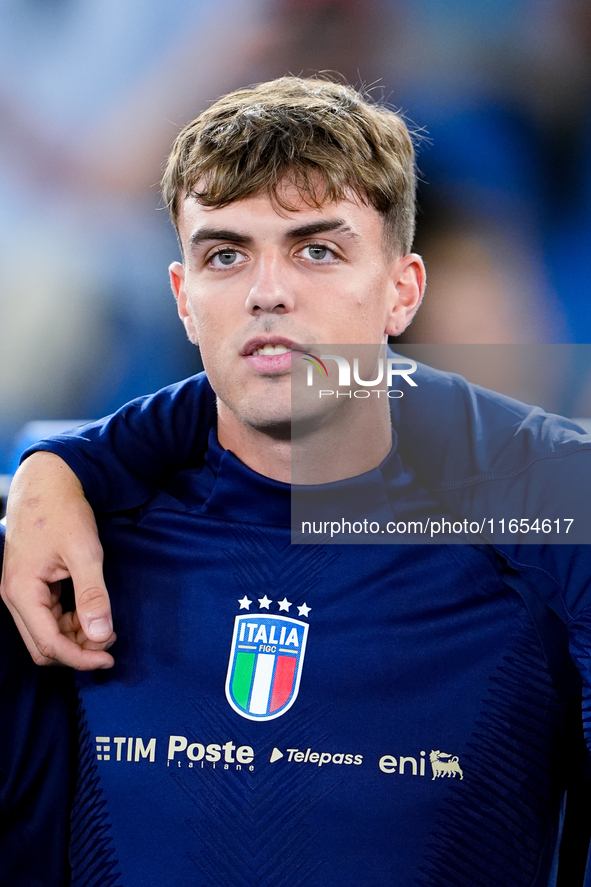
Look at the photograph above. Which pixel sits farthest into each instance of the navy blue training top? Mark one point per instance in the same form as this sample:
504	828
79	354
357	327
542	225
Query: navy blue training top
313	715
507	446
37	762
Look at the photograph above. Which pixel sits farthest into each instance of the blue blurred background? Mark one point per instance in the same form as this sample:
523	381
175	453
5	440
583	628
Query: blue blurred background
93	92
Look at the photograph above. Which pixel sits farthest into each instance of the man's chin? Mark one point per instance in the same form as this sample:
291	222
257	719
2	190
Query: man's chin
290	429
278	429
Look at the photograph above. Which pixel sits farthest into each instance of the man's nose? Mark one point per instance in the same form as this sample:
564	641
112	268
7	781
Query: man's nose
270	291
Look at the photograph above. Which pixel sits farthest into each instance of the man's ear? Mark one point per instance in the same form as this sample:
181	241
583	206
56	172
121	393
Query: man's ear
409	279
176	272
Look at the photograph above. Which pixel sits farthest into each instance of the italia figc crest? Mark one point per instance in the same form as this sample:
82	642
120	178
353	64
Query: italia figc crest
266	659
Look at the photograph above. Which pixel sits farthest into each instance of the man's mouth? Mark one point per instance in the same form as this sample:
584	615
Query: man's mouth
270	356
270	350
269	346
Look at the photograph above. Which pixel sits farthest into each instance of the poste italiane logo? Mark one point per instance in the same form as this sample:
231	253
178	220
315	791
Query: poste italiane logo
266	660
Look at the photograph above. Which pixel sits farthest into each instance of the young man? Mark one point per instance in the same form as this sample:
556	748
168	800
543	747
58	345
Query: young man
324	714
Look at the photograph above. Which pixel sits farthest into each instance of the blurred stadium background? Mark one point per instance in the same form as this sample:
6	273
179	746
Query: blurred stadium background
92	93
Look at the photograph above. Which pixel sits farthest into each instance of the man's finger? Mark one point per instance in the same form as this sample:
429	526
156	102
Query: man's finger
69	625
48	646
67	652
94	611
93	606
28	640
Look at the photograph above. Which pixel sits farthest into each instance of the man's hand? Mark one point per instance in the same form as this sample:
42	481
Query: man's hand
51	534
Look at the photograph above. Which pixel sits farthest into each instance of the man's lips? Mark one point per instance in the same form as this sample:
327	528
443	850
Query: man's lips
269	346
270	355
271	350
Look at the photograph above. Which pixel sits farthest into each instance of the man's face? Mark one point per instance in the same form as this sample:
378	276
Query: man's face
258	284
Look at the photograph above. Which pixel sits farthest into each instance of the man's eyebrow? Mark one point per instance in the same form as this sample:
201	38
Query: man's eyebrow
203	235
320	228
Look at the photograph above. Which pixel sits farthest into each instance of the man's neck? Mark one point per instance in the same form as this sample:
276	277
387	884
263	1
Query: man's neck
356	439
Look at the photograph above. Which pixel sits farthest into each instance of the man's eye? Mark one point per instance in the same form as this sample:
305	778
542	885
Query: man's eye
318	253
225	258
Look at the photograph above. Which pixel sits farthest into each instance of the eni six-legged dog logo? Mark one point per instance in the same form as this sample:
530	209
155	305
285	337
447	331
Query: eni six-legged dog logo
443	764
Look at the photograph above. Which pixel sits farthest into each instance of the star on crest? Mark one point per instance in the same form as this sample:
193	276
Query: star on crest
303	610
264	603
245	603
284	605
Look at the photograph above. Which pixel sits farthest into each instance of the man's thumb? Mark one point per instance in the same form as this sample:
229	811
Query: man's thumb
94	610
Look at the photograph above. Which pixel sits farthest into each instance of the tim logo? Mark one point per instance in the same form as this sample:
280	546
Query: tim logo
443	764
265	666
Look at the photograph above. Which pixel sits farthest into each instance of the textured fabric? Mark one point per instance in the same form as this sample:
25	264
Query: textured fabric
36	765
426	742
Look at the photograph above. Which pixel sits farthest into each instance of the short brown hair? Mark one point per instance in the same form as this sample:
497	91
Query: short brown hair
324	137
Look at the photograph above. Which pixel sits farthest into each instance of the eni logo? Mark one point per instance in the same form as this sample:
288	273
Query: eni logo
443	764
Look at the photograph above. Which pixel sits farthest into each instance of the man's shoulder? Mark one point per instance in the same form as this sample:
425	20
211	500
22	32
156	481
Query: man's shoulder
458	433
